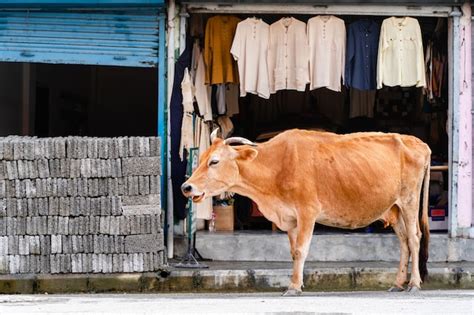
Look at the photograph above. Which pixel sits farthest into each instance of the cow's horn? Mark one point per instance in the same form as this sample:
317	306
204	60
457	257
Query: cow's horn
239	140
214	134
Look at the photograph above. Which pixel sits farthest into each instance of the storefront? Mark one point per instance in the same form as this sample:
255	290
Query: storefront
440	114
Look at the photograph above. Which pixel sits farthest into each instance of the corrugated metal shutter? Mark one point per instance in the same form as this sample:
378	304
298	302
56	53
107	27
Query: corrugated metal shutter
92	38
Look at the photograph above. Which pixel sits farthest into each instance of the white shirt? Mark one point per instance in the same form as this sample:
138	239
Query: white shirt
400	57
288	62
250	48
327	45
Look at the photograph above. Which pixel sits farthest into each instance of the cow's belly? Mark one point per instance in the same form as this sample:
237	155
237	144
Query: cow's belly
351	218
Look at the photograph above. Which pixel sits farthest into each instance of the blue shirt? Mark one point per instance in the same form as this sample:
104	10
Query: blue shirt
361	55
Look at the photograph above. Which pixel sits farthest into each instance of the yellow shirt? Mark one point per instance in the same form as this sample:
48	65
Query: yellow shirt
400	56
220	66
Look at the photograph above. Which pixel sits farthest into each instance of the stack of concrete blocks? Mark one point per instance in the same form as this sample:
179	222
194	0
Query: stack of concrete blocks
80	205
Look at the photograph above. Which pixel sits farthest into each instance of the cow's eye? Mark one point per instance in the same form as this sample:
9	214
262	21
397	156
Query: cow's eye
213	162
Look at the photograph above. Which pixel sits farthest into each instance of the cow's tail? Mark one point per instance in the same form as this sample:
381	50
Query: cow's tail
424	226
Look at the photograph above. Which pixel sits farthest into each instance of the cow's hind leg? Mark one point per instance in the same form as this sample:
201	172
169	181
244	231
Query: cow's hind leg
292	234
400	231
410	217
304	234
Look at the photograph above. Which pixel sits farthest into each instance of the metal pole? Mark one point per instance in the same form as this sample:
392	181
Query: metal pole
171	62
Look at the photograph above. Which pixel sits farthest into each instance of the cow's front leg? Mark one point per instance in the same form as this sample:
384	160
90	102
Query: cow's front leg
292	234
304	233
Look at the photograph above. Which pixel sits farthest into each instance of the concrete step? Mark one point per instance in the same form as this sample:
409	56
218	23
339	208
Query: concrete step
274	246
275	276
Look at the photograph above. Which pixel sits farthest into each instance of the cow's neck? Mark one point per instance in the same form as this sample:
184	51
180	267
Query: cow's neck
256	180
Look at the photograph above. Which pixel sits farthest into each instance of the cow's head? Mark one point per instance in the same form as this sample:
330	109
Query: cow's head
218	169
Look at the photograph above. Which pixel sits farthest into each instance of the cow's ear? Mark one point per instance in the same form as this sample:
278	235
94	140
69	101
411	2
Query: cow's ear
247	154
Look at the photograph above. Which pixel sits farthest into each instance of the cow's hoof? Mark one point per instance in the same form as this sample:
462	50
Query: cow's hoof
396	289
413	289
292	292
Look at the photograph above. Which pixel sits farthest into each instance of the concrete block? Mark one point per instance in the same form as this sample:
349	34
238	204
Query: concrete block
42	167
105	206
55	264
82	154
19	189
122	146
155	186
104	149
104	225
103	187
1	148
3	208
64	206
11	207
14	264
3	245
20	226
3	226
30	226
12	170
30	188
145	146
144	243
35	246
76	263
23	245
24	264
133	185
141	166
8	150
114	225
53	168
43	206
92	148
64	167
53	206
56	244
45	264
143	185
62	187
3	170
60	148
4	265
42	225
63	225
86	168
10	189
22	207
52	225
3	189
116	205
45	244
133	148
83	187
22	169
93	189
74	168
66	244
17	149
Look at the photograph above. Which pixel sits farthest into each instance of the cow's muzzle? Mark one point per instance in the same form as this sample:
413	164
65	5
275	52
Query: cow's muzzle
190	191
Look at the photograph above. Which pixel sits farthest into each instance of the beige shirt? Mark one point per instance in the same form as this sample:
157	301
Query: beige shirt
250	48
400	57
327	46
288	63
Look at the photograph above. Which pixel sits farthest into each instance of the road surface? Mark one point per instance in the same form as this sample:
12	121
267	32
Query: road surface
427	302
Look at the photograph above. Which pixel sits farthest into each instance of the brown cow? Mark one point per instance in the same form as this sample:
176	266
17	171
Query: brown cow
348	181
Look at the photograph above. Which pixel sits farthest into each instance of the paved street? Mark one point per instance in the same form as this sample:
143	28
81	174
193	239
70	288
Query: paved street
427	302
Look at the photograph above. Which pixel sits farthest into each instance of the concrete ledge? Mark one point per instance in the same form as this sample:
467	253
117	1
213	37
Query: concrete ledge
268	246
242	277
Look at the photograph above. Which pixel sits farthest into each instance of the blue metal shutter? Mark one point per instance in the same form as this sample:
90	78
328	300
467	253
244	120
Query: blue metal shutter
127	38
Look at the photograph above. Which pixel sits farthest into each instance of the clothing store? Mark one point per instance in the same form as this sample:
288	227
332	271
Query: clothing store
255	70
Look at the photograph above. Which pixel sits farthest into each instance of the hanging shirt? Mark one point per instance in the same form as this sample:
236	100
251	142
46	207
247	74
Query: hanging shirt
327	45
188	109
220	66
250	48
361	55
400	56
288	64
